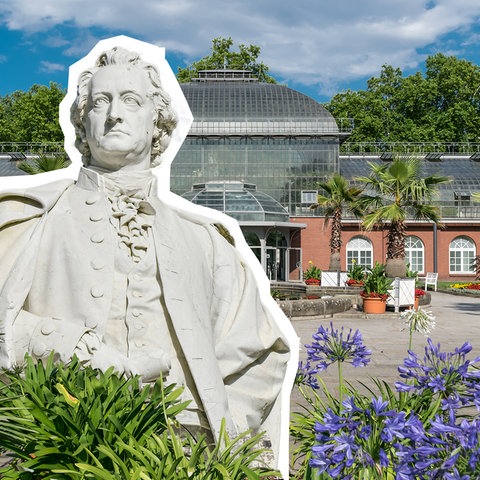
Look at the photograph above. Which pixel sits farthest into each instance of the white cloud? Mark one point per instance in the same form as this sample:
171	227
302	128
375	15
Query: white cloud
312	42
51	67
56	41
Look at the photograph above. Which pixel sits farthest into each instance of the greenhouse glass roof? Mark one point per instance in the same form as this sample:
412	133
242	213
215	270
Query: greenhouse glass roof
464	172
226	101
240	200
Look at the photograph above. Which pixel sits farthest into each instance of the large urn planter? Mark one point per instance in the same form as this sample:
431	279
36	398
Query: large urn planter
374	305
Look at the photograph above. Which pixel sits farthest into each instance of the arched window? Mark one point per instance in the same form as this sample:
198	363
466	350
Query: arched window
415	254
254	243
462	255
359	249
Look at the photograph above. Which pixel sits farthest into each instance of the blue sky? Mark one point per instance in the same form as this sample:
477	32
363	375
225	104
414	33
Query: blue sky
319	47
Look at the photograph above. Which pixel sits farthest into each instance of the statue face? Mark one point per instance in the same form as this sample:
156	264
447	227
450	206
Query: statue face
120	118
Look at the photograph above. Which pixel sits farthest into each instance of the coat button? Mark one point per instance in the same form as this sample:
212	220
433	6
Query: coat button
94	198
96	292
39	349
97	237
97	264
91	323
47	328
136	312
96	217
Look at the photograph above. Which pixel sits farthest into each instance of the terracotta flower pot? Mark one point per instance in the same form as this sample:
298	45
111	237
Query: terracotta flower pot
417	303
312	281
355	283
374	305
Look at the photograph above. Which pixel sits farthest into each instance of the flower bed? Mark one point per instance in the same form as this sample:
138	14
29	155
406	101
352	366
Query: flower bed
466	286
425	426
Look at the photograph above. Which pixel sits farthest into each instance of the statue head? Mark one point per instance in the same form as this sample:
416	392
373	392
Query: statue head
127	64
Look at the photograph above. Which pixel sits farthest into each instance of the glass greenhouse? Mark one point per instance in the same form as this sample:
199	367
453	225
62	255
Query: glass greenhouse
260	133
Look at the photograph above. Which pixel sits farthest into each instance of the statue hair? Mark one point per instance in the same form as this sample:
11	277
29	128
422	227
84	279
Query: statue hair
166	116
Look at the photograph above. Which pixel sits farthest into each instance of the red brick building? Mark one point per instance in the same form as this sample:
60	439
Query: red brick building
447	250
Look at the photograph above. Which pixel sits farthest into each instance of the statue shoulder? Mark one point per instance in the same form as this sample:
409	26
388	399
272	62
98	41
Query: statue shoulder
23	204
198	217
211	223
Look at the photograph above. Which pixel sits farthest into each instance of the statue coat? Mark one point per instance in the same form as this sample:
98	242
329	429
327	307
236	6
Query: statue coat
56	284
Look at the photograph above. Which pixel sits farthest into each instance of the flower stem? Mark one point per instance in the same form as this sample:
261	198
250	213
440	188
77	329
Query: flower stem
340	384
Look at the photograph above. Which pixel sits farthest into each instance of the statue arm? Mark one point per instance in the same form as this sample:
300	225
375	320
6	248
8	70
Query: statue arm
252	351
22	216
23	331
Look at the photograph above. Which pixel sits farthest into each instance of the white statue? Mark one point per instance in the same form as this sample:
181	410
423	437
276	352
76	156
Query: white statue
122	273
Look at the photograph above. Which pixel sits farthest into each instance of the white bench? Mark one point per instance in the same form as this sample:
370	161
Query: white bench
430	279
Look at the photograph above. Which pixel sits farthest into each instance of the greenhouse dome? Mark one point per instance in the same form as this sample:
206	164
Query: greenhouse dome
246	131
241	201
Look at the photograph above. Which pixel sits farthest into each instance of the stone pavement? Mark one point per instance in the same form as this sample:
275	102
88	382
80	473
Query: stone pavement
457	321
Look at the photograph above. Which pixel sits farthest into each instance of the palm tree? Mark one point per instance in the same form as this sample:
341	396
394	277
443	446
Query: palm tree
43	163
394	192
340	196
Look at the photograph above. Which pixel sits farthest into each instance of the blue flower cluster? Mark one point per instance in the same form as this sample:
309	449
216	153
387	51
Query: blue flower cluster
451	376
418	433
329	347
391	444
360	437
307	375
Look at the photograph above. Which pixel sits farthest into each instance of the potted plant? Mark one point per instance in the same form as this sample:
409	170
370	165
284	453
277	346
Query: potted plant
419	293
356	275
375	289
312	274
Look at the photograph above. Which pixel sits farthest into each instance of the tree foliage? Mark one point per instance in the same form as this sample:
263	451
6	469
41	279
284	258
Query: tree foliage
43	163
31	116
442	105
337	196
223	57
392	193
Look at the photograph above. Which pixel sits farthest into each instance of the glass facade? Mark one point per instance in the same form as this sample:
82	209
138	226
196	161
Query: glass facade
463	172
239	200
246	131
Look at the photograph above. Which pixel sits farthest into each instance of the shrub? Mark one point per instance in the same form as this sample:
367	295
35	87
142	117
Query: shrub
70	422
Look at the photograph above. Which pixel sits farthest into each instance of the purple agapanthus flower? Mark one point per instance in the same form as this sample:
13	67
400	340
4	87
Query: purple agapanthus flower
330	346
450	449
450	375
344	440
368	436
307	375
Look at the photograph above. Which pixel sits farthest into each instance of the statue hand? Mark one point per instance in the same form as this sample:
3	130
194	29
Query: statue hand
105	357
151	366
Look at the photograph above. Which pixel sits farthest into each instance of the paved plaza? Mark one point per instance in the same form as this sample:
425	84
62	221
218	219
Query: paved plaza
457	321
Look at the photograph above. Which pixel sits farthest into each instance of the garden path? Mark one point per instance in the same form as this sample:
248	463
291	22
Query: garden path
457	321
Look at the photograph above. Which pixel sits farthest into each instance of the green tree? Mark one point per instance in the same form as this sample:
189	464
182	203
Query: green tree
443	105
339	196
393	192
31	116
454	84
222	57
